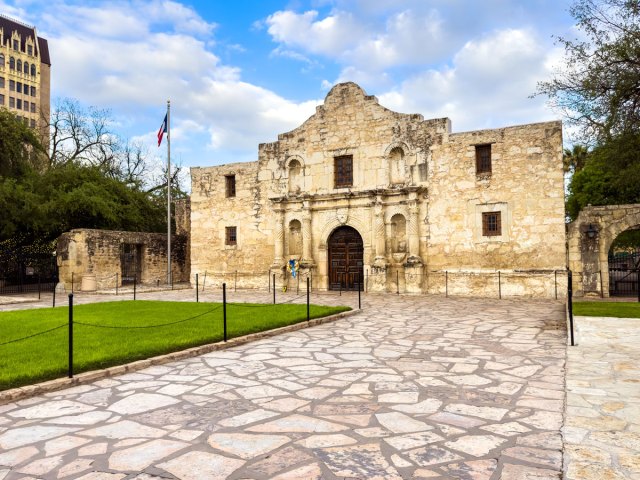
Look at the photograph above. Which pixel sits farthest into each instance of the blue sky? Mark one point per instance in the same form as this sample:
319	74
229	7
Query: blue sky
240	72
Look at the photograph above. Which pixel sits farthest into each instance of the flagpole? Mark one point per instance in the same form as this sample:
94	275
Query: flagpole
168	192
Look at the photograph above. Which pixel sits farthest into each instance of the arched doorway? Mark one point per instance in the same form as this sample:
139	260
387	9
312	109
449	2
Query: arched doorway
345	259
624	264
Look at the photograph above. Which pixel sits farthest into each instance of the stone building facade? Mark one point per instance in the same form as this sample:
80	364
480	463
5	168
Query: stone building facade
359	194
25	74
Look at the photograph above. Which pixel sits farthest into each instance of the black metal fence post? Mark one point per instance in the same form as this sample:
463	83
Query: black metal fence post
601	286
446	283
54	297
499	286
340	277
71	335
235	282
39	286
72	281
359	282
638	282
117	282
397	282
555	282
197	289
274	288
171	279
298	285
224	310
570	304
135	282
308	317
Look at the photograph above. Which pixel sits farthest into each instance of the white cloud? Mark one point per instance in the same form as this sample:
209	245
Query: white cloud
487	86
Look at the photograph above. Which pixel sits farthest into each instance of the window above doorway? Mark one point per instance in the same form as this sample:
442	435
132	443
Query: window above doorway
343	171
483	159
230	186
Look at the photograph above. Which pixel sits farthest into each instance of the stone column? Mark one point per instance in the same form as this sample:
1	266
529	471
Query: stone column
414	269
414	233
378	273
278	259
307	255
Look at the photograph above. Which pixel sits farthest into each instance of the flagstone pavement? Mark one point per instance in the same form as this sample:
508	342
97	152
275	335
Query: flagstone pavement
411	387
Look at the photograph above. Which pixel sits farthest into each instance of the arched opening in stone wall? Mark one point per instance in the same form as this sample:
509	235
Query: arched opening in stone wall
294	240
346	252
397	166
624	264
295	176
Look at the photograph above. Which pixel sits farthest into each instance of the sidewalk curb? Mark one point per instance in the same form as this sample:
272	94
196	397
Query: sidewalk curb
28	391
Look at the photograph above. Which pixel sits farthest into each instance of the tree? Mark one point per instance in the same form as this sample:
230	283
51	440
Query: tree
610	176
20	149
598	87
574	160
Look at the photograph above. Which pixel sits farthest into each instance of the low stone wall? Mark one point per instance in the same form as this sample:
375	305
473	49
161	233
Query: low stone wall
99	252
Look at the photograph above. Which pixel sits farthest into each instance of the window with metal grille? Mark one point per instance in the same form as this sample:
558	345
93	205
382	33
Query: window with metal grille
230	185
491	224
483	159
343	171
230	237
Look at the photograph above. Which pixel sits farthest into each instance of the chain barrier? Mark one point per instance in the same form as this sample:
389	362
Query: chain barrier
148	326
34	335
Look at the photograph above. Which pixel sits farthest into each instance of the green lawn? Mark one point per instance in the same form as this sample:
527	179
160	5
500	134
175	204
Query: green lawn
607	309
45	357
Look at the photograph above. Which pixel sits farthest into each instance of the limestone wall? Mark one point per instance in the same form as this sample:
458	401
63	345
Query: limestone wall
415	200
525	185
98	252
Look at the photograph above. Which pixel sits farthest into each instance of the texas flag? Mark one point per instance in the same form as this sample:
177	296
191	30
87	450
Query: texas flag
163	130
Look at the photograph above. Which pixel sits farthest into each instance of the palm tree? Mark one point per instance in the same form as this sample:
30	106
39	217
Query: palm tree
575	159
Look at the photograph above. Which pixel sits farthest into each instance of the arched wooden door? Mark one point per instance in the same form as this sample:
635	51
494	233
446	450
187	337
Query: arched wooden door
346	253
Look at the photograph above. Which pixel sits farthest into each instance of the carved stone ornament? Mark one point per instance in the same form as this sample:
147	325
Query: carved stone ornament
342	214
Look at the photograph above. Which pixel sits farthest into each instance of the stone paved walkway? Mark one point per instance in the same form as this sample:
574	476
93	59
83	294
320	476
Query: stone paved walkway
602	427
412	387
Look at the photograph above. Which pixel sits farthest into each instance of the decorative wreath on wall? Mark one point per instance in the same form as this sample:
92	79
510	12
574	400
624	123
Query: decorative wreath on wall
293	266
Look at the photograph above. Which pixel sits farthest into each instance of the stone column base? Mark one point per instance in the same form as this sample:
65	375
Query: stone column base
413	277
377	278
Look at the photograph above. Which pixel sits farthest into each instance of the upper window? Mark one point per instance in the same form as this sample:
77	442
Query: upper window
29	49
12	85
1	60
12	102
483	159
19	87
16	45
343	171
12	63
33	107
491	224
33	69
19	66
231	237
1	99
230	186
26	68
33	91
1	82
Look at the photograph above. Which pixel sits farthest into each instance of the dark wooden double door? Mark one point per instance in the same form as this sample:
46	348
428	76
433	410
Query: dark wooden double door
345	259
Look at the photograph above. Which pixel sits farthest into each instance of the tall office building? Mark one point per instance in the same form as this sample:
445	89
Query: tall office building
25	74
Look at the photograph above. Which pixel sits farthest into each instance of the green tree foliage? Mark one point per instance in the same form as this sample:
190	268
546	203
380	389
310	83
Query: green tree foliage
574	160
598	86
89	179
20	149
610	176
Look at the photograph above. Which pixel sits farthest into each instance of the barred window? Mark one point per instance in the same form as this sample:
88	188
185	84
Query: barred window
491	224
483	159
230	185
230	236
343	171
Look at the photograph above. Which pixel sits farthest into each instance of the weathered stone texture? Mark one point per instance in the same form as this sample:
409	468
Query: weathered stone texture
415	200
98	252
589	256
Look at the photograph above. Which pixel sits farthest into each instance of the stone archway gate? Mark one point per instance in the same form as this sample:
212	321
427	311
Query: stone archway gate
589	239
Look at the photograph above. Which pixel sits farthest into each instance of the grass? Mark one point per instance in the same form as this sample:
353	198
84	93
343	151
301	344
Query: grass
45	357
607	309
